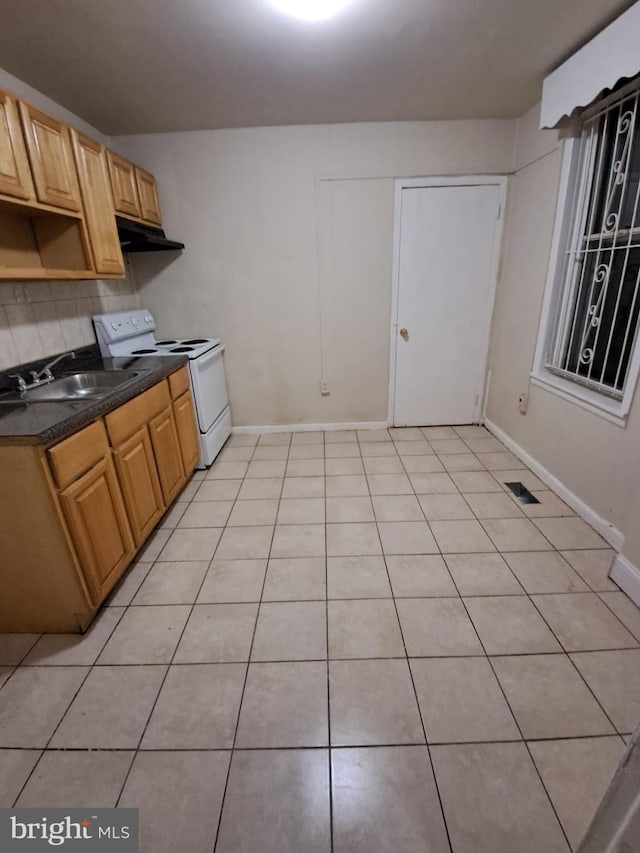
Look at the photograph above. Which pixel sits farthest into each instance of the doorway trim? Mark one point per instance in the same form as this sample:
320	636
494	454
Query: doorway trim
501	181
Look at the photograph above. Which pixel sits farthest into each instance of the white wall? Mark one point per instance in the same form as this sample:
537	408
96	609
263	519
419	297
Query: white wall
596	459
38	319
289	252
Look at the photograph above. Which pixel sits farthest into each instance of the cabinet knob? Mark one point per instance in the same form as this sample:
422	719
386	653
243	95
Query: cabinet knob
404	333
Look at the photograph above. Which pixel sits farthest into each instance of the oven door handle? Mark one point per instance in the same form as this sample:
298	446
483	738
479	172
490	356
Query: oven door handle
206	359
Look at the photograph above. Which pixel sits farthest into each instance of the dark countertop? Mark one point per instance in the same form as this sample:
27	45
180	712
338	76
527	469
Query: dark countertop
46	422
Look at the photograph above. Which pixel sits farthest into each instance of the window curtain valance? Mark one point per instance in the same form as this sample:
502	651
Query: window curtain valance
611	55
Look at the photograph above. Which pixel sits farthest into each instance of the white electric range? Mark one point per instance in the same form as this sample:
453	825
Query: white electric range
132	333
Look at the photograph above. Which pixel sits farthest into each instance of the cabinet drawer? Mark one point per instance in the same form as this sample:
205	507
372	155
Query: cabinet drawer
179	382
128	418
75	455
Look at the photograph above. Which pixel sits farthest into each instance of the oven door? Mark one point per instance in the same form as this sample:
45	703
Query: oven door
209	387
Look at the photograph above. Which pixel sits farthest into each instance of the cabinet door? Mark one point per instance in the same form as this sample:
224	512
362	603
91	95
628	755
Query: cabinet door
138	478
166	449
98	526
49	147
95	186
124	186
148	195
188	434
15	174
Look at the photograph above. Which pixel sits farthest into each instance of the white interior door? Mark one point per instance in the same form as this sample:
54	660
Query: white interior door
445	294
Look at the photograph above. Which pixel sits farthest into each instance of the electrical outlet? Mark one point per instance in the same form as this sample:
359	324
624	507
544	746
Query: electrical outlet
523	403
324	388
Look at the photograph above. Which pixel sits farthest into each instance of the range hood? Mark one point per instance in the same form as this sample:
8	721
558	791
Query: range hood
135	237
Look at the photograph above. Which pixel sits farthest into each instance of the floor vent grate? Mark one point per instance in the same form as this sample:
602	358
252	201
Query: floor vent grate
522	493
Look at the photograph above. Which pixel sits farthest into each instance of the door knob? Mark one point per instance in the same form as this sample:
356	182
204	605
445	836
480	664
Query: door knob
404	333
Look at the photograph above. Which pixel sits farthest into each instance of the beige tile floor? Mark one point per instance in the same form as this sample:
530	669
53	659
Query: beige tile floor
342	641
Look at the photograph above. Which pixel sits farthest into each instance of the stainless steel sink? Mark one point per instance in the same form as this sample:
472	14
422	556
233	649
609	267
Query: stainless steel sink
89	385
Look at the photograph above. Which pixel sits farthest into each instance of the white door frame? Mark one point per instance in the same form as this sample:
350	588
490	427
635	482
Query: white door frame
451	181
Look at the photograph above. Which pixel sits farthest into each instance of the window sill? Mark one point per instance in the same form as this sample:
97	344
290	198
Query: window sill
586	399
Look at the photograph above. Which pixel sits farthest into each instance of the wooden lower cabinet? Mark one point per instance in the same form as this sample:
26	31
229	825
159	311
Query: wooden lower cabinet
166	449
98	525
136	467
73	515
187	428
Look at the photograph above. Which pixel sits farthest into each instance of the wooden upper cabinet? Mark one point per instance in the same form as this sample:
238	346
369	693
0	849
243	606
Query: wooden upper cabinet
15	173
52	165
98	527
134	191
124	186
95	186
148	195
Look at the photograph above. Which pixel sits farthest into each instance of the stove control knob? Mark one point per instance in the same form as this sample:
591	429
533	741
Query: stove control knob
114	325
134	321
148	319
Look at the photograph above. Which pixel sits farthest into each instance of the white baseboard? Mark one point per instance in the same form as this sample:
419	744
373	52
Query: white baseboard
627	576
245	430
611	534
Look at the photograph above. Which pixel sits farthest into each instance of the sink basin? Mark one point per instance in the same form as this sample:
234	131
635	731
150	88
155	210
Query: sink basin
90	385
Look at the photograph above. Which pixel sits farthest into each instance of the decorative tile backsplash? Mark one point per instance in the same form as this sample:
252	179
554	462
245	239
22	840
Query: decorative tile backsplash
42	318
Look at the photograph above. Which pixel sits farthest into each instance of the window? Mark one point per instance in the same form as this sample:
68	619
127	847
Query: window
594	312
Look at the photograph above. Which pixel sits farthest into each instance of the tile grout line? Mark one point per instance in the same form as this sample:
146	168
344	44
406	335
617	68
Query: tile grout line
59	723
118	749
558	653
155	702
153	563
560	643
576	668
249	654
611	610
326	614
523	594
20	663
415	693
518	726
500	684
230	751
162	683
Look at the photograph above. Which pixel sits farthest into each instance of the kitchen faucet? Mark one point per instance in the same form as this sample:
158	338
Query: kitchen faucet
43	376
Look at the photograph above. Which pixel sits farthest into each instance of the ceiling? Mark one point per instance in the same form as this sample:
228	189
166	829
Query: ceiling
142	66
